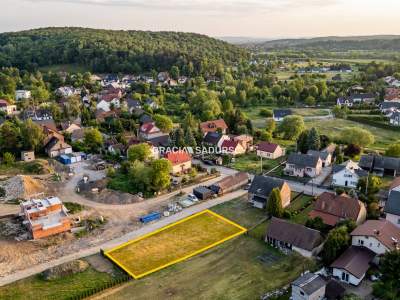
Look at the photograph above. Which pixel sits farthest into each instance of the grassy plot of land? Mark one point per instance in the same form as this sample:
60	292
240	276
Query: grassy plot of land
242	268
67	287
252	163
332	128
173	243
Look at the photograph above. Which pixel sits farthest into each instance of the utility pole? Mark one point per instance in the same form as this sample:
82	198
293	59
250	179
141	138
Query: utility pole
261	166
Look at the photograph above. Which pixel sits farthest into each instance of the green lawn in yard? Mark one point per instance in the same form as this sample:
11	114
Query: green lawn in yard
332	127
250	162
36	287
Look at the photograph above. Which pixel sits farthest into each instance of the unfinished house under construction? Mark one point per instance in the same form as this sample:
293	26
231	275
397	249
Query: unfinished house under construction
45	217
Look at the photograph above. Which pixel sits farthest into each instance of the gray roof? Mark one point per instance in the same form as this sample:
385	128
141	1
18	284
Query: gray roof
321	154
212	138
310	283
303	160
359	172
262	186
281	113
374	162
390	104
392	205
295	234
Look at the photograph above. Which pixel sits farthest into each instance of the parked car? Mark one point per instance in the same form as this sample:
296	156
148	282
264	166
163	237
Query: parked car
192	197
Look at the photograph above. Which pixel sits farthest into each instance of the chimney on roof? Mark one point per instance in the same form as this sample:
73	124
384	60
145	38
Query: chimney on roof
377	232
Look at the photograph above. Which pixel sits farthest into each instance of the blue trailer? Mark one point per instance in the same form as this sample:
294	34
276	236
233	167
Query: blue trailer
65	159
150	217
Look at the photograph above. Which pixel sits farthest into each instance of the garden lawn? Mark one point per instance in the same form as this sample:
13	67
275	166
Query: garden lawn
173	243
67	287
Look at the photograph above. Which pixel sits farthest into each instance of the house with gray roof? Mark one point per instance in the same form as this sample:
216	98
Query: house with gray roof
392	208
380	165
347	174
303	165
280	114
262	186
286	235
325	157
395	118
309	286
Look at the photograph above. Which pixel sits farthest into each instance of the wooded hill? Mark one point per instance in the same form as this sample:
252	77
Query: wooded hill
116	51
334	43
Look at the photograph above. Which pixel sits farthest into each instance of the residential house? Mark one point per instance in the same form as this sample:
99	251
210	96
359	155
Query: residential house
9	109
214	126
355	99
22	94
45	217
27	155
107	102
37	114
352	265
286	235
245	140
347	174
233	148
379	236
388	107
279	114
145	118
56	147
309	286
66	91
149	131
261	188
325	157
303	165
392	95
333	208
270	150
151	103
392	207
163	76
133	105
392	81
380	165
394	118
78	135
214	139
70	127
180	160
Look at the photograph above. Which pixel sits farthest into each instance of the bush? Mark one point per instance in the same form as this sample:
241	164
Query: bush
8	158
33	167
352	150
264	112
73	207
2	192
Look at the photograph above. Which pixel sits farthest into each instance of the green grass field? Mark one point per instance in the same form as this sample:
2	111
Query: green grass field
173	243
37	288
332	128
252	163
232	270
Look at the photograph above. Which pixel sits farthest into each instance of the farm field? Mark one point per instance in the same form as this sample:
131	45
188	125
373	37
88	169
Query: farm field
173	243
241	268
332	127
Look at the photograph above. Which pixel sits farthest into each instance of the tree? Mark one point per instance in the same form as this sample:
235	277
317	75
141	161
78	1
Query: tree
316	223
141	152
310	101
352	150
313	140
190	141
164	123
174	72
291	127
357	136
374	184
340	111
274	204
160	174
302	141
10	138
266	136
267	113
93	139
388	288
178	138
338	240
8	158
270	125
32	135
393	150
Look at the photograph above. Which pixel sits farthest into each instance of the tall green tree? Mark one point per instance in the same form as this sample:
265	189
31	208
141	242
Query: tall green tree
274	204
160	174
93	139
141	152
388	287
291	127
313	139
337	242
32	135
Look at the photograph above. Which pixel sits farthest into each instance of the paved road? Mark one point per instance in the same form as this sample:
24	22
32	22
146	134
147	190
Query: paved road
117	241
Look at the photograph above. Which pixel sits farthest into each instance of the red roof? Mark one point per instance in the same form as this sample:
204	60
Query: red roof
229	145
148	127
213	126
332	208
3	102
267	147
178	157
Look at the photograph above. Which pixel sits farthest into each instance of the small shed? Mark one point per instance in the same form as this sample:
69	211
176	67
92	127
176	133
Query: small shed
27	155
230	183
203	193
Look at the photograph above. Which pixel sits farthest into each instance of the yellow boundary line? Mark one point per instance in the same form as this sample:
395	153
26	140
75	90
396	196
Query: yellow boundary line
108	253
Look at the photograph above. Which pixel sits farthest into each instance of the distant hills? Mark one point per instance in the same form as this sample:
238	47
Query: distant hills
332	43
115	51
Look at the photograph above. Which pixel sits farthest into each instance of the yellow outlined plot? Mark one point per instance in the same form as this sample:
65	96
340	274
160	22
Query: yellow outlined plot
173	243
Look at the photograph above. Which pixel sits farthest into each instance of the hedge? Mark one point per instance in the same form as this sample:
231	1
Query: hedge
376	121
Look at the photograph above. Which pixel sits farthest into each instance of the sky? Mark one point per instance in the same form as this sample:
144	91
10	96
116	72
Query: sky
241	18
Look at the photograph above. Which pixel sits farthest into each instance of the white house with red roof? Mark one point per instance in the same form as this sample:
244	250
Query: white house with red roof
9	109
150	131
232	147
270	150
213	126
181	161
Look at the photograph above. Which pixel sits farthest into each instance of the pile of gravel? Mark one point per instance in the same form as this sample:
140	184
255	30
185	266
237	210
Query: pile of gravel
68	268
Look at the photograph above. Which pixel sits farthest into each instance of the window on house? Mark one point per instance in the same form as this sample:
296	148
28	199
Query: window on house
302	293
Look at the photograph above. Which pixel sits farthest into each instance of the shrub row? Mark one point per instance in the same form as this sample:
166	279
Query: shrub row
376	121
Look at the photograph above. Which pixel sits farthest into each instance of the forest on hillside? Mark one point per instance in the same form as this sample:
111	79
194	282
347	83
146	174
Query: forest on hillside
116	51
